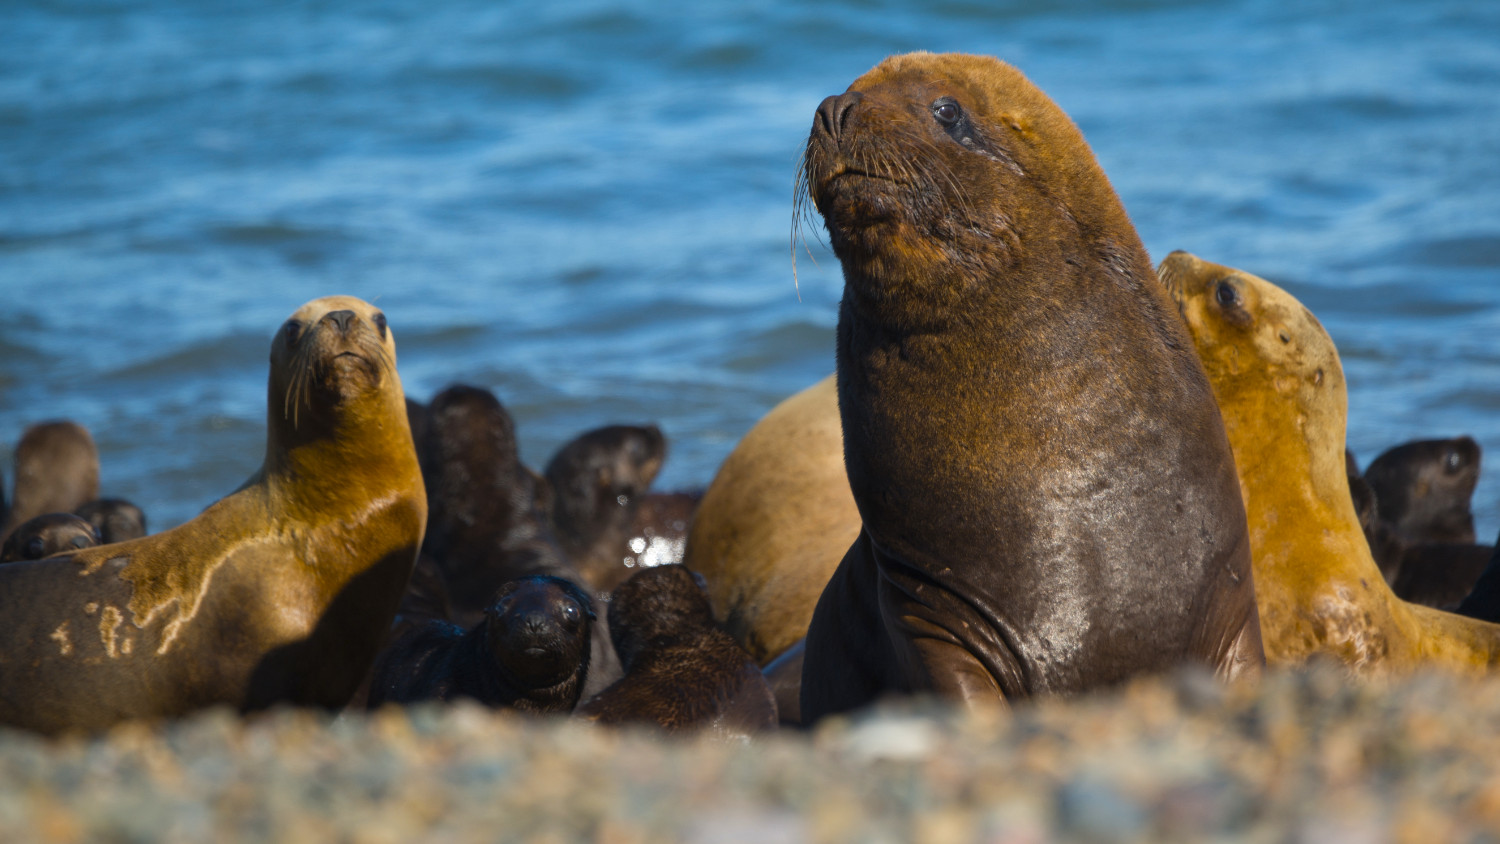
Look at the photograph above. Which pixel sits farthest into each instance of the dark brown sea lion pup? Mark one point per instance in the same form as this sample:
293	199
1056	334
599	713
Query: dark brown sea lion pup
116	519
57	469
280	592
530	652
1281	389
681	672
1423	489
1049	504
48	534
483	529
597	482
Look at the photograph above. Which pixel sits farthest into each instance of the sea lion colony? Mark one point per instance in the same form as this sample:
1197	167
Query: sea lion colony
1039	468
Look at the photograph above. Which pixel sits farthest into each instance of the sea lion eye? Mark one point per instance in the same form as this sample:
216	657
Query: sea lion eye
380	323
946	111
1453	461
570	611
293	331
1226	295
34	548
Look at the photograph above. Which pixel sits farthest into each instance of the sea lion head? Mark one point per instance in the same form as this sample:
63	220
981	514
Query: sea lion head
333	359
1267	358
937	173
116	519
1424	488
537	629
596	478
57	469
45	535
657	605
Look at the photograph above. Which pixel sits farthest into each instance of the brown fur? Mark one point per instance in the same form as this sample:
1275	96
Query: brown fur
1281	389
1048	500
775	522
57	470
279	592
681	672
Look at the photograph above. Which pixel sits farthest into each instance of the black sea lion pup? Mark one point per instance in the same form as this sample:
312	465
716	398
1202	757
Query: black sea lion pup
280	592
43	536
597	482
681	672
57	469
1048	499
530	652
484	529
1423	489
116	519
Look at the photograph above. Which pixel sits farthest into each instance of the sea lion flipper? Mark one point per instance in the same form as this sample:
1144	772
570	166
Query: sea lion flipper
843	666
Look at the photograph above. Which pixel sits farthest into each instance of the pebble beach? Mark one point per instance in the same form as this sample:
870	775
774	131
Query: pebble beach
1306	756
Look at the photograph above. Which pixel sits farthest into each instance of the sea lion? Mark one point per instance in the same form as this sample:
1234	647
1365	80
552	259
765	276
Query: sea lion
681	672
530	652
1048	501
597	481
1439	574
1281	389
48	534
280	592
775	522
57	469
1423	489
116	519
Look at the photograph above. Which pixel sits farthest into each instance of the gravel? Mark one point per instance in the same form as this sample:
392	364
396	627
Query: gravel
1307	756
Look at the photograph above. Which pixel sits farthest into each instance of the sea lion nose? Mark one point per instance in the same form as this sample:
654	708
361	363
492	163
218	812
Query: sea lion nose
834	112
341	319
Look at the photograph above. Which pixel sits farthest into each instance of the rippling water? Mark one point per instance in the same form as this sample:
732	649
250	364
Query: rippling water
586	206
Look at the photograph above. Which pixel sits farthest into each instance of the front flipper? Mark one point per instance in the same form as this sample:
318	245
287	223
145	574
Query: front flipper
848	661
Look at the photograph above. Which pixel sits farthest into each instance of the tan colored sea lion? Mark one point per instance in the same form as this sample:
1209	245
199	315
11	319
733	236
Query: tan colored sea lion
280	592
1281	390
775	522
1048	500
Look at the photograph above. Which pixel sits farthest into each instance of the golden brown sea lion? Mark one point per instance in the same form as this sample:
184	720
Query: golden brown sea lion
1281	390
279	592
775	522
1049	504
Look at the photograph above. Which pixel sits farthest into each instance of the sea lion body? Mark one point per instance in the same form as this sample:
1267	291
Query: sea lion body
530	653
279	592
57	469
681	672
1048	501
775	522
1281	389
48	534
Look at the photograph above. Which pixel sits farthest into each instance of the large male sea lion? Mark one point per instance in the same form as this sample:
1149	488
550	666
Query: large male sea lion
775	522
279	592
1281	390
1048	500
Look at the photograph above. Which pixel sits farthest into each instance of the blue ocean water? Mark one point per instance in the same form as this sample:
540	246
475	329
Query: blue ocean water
586	206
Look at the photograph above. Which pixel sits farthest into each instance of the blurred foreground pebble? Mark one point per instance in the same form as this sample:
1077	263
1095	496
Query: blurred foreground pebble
1305	757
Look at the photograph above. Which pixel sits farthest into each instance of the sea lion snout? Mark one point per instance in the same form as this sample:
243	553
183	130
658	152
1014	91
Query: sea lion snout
833	113
342	319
